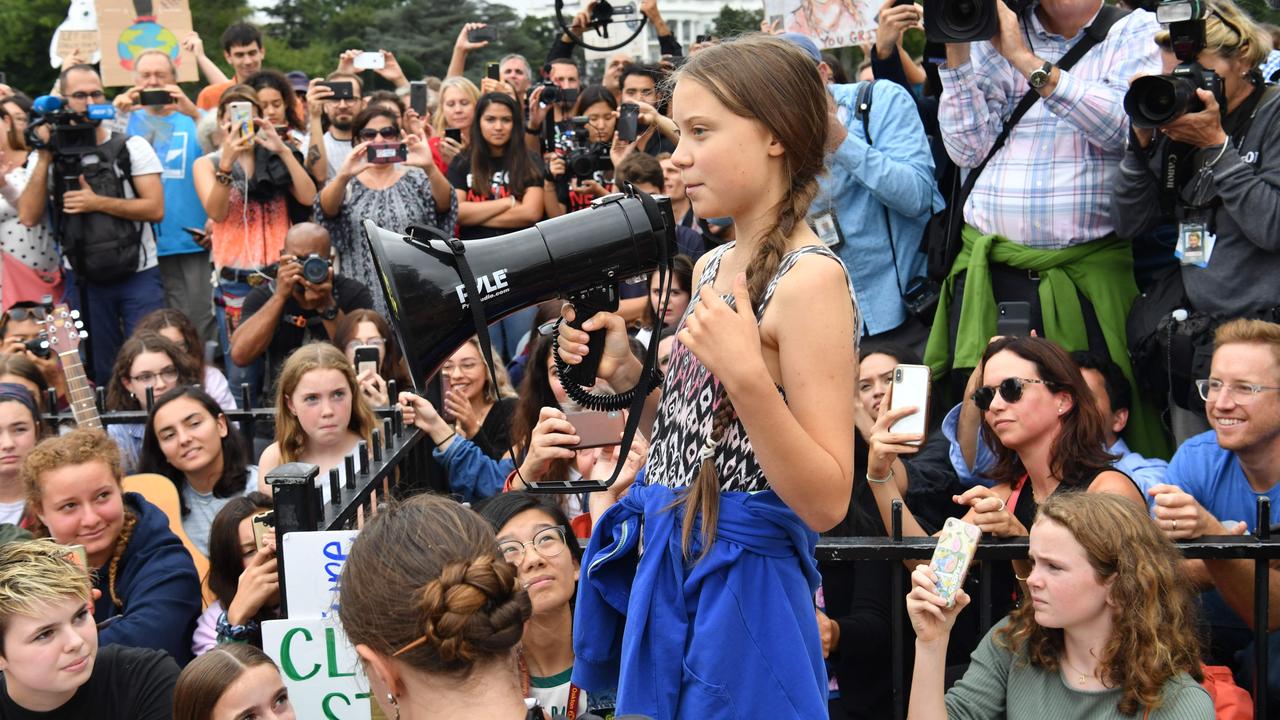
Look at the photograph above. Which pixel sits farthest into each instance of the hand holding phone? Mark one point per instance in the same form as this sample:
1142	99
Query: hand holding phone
369	61
911	389
342	89
241	116
454	134
597	429
488	33
628	122
366	359
263	523
956	546
418	97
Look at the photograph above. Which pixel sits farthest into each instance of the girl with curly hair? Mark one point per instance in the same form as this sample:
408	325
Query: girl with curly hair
1108	630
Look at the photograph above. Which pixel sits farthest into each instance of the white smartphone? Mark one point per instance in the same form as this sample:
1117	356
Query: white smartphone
369	61
241	116
911	389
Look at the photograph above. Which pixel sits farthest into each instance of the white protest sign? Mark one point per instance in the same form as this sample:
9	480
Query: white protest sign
829	23
320	668
312	566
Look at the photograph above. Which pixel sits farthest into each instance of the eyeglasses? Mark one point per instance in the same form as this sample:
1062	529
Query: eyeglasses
375	341
95	95
390	132
549	543
1010	390
1242	393
464	366
168	374
18	314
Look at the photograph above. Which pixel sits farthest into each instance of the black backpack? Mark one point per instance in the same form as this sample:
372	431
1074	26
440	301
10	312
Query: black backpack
102	248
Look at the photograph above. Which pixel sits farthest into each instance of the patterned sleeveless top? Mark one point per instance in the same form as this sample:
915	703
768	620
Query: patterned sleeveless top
691	395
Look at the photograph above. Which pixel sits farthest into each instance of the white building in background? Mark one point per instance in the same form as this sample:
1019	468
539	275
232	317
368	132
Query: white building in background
687	18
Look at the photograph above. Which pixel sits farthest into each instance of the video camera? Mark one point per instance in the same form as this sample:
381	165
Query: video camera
584	159
962	21
71	134
1156	100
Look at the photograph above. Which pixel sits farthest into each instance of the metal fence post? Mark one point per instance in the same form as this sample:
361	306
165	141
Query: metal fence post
293	486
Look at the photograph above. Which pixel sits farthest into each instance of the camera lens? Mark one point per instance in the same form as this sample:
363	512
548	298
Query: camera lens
315	269
897	375
963	15
1155	100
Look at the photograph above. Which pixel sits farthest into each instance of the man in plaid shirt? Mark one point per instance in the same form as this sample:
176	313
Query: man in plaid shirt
1037	223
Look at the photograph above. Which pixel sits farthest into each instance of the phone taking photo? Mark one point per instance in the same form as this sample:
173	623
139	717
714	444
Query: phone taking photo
488	33
493	72
418	97
241	116
263	523
911	389
342	89
597	429
155	97
956	546
369	61
366	359
628	122
454	134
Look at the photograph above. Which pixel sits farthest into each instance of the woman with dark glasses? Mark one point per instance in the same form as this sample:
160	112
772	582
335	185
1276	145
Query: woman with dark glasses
1035	412
388	178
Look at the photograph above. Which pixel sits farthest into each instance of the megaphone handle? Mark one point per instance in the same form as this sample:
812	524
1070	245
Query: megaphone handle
586	304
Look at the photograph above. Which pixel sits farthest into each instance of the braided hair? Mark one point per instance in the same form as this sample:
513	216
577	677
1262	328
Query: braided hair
122	544
772	82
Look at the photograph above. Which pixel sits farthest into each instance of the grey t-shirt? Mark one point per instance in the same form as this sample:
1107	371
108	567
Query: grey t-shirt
336	152
203	508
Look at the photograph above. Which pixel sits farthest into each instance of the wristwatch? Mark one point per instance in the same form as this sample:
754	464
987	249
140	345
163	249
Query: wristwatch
329	313
1040	76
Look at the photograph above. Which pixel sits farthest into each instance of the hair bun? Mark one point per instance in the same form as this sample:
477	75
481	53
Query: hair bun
473	607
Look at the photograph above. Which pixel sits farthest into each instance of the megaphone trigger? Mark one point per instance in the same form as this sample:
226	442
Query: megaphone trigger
586	303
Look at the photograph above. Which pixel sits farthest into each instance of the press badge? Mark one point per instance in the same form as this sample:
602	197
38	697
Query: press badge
827	228
1195	244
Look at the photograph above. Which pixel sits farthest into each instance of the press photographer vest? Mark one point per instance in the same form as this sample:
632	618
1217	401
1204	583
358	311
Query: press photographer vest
101	248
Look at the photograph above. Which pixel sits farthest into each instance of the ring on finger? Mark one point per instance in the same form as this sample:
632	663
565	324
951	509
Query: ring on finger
1002	506
1175	524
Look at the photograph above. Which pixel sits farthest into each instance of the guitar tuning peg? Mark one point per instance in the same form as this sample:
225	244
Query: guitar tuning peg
75	314
83	334
79	324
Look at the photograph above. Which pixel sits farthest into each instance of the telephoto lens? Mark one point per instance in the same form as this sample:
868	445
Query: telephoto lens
1156	100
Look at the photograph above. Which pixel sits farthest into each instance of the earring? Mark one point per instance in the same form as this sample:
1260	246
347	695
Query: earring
395	705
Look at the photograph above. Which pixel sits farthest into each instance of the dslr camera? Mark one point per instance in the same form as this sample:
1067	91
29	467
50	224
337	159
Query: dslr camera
315	269
1156	100
553	94
962	21
585	159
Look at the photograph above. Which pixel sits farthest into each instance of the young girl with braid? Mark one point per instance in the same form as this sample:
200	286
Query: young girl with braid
150	593
435	613
696	597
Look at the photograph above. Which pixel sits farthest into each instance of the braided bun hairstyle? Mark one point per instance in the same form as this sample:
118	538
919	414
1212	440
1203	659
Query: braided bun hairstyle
774	83
424	583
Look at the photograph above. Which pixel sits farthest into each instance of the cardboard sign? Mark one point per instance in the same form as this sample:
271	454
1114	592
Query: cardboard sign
320	668
312	566
125	32
833	24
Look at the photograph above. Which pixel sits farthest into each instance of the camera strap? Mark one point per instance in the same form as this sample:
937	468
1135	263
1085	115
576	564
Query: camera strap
862	111
1095	33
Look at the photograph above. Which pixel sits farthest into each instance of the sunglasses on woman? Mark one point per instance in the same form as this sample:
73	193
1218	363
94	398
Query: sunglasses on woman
390	132
1010	390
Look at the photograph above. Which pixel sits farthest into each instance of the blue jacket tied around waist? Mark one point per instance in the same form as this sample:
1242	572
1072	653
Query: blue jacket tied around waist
732	636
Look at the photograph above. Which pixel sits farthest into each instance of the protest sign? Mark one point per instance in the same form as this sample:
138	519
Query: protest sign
128	28
320	668
829	23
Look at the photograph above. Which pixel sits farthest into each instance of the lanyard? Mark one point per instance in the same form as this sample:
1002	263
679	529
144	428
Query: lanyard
571	711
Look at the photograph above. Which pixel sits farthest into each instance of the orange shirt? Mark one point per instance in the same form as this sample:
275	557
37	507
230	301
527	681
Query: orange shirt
211	94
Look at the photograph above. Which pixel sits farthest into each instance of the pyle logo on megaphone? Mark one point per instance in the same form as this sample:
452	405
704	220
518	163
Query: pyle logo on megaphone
491	285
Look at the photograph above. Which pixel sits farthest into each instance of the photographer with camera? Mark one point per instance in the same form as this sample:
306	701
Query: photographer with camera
1200	165
107	193
551	101
304	303
1036	222
640	87
578	167
22	333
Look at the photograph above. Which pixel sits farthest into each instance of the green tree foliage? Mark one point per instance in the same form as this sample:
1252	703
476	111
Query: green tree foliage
732	22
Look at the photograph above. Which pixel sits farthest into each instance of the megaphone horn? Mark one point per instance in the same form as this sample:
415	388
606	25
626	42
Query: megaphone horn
619	236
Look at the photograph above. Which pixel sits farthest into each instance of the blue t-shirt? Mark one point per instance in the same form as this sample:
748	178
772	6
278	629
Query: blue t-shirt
1213	476
174	138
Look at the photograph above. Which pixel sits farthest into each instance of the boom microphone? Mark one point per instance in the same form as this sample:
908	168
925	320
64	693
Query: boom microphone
617	238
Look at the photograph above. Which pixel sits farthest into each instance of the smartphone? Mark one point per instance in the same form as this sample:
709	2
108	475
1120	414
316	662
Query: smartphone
445	386
387	153
492	71
155	97
597	429
900	3
241	116
454	134
1013	319
196	233
418	97
263	523
702	39
911	389
79	556
486	33
628	121
957	543
342	89
369	61
366	359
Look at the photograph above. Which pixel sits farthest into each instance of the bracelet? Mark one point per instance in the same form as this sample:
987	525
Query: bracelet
234	633
881	481
444	442
1226	143
532	131
223	178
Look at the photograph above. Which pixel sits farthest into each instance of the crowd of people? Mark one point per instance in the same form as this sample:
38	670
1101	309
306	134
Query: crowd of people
1089	291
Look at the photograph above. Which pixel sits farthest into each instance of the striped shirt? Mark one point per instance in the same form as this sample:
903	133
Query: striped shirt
1050	185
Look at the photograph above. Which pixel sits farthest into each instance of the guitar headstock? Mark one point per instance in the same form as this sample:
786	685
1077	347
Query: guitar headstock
65	329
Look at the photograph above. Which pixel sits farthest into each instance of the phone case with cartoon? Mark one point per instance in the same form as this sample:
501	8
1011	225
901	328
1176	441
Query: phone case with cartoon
956	545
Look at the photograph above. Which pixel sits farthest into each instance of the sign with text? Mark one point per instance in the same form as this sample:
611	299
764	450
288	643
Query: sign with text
127	29
312	566
319	666
829	23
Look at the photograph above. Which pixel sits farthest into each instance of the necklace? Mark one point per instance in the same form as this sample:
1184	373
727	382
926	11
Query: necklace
1083	677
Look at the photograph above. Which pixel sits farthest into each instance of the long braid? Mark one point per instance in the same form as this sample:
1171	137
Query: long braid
703	496
126	532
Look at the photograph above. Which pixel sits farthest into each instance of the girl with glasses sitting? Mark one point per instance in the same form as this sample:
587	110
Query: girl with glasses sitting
407	190
534	535
146	360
